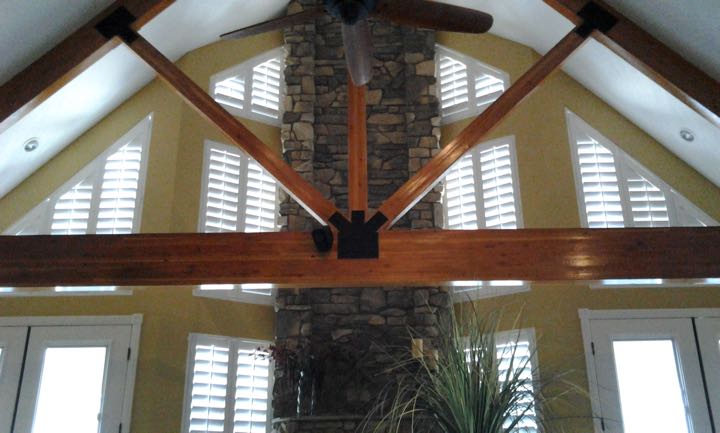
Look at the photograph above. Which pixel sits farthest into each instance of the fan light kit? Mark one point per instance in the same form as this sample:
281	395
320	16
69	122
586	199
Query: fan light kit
31	144
687	135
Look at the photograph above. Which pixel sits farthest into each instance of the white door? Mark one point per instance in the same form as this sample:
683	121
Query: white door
12	349
708	330
74	379
649	377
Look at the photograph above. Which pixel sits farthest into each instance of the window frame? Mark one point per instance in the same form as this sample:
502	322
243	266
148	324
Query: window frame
236	293
475	69
488	289
245	69
234	343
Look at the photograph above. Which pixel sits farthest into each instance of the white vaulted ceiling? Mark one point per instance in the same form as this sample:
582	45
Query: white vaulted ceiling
28	28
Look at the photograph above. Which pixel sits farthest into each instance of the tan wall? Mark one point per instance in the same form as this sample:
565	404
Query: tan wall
172	195
549	200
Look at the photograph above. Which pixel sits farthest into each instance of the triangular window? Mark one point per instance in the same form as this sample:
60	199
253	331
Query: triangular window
482	192
466	86
615	191
105	197
253	89
238	195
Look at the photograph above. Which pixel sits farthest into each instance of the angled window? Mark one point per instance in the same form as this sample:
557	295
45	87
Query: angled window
253	89
482	192
466	86
227	388
105	197
615	191
238	195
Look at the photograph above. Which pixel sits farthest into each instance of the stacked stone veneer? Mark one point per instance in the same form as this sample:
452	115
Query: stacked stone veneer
403	134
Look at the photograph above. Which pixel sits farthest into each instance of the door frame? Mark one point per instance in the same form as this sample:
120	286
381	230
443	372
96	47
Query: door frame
135	323
586	315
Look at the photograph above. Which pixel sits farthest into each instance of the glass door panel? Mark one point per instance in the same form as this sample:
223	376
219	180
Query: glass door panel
12	349
74	380
708	330
648	376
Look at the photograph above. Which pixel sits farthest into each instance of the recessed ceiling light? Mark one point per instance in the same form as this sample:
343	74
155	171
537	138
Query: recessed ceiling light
687	135
31	144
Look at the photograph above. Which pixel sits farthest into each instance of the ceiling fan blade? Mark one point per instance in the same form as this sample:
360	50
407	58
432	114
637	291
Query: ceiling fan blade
433	15
275	24
358	51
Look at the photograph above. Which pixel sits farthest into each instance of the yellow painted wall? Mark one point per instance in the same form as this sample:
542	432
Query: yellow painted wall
549	200
172	195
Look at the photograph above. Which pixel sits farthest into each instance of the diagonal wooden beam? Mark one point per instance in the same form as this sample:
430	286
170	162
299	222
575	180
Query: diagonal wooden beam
658	62
407	258
357	149
426	178
300	189
31	87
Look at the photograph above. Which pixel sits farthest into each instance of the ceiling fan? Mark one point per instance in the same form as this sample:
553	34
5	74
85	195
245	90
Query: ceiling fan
356	32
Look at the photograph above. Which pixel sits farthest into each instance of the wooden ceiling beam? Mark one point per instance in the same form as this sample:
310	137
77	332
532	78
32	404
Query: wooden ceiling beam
31	87
357	149
407	258
657	61
295	185
426	178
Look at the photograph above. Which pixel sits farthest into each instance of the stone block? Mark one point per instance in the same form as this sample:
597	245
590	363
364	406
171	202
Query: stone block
372	299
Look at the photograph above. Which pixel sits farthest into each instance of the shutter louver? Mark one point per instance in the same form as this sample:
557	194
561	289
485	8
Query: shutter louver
516	357
209	388
266	88
498	191
231	92
119	191
601	191
460	202
251	393
261	200
71	214
223	191
453	85
647	203
487	89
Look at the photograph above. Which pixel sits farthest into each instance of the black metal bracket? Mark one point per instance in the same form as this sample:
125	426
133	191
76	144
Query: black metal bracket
595	17
358	239
118	24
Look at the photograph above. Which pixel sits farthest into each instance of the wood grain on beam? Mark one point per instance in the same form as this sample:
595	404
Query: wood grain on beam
31	87
414	189
406	258
300	189
657	61
357	149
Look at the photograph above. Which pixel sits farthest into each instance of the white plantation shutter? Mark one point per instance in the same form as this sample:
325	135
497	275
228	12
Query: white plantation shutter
466	86
222	176
119	191
71	214
261	200
254	88
496	172
208	395
238	195
252	390
227	388
460	205
266	88
647	203
480	191
600	186
515	354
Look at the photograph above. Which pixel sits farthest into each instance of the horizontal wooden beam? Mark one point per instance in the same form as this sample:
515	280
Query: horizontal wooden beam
300	189
414	189
31	87
656	60
406	258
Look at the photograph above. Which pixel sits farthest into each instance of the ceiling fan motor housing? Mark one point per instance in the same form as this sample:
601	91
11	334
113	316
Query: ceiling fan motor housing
350	11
